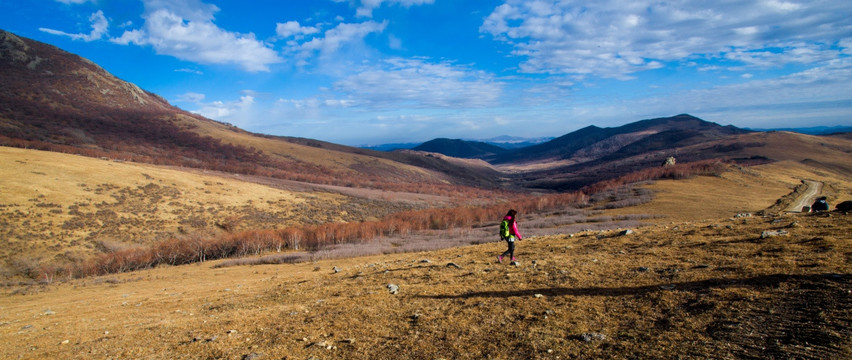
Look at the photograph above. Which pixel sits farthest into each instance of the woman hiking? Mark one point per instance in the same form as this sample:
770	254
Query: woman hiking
509	232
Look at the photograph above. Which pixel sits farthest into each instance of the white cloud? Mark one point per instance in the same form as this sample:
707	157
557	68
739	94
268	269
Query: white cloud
611	38
185	30
239	112
820	94
334	39
100	27
190	71
292	28
191	10
367	6
419	84
192	97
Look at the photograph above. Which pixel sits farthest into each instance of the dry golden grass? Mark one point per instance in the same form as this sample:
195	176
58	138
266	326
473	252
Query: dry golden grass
65	205
741	190
698	287
713	289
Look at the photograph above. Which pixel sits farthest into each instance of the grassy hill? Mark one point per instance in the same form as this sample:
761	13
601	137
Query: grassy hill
57	101
65	207
692	281
717	287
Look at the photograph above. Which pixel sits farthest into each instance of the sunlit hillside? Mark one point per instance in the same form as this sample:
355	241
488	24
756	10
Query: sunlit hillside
705	283
58	206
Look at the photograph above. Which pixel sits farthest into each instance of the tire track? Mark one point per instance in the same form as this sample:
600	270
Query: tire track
808	198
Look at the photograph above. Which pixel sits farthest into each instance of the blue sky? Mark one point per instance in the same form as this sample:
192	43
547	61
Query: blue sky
361	72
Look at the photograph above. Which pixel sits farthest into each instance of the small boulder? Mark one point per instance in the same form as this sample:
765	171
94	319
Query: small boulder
593	336
769	233
393	288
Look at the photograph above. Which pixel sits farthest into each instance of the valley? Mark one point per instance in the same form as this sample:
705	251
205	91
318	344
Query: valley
134	229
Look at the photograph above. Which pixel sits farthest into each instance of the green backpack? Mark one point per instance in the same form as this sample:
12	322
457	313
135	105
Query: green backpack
504	229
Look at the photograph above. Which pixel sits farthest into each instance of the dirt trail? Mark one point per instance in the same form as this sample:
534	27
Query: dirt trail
808	198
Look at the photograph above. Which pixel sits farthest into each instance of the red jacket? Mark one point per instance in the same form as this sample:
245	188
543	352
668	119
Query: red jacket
513	230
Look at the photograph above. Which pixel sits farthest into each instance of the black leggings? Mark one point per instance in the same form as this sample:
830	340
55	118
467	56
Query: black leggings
511	250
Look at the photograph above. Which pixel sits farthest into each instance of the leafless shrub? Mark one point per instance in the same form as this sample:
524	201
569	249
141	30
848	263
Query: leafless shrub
26	266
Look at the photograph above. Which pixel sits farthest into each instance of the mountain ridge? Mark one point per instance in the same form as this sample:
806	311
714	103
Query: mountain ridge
57	101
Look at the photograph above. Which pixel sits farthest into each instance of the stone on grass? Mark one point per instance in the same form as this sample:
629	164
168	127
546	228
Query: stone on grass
626	232
769	233
335	269
393	288
592	336
454	265
252	356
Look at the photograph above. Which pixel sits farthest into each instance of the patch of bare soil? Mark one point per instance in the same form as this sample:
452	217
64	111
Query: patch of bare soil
750	287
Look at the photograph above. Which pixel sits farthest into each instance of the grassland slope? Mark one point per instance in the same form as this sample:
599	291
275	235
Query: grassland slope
59	207
719	288
54	100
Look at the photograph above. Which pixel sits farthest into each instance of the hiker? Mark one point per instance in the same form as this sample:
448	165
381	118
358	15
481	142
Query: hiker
820	205
509	233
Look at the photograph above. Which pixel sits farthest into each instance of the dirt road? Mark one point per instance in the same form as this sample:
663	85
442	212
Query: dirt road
808	198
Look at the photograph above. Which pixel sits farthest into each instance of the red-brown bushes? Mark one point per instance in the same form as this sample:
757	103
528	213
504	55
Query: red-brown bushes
199	248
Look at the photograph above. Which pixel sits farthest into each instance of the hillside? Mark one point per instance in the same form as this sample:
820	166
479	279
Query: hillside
716	288
714	264
54	100
593	143
746	149
60	207
460	148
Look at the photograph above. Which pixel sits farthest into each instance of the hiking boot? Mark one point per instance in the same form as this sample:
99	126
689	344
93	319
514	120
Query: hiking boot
499	259
513	258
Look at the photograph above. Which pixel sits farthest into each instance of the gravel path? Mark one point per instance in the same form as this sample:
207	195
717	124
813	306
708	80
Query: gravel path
808	198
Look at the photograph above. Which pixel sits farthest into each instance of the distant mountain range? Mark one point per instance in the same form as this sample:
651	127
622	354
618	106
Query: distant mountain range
504	142
816	130
592	142
53	100
508	142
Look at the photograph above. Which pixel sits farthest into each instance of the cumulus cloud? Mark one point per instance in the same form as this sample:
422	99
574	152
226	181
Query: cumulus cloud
292	28
611	38
185	30
100	26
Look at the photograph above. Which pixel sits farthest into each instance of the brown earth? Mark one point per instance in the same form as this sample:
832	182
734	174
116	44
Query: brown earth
694	286
711	289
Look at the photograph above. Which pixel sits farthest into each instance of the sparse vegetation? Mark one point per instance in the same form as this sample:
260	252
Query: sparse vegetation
689	290
364	255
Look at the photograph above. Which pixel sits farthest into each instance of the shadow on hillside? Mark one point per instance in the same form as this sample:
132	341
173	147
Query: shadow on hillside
755	282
